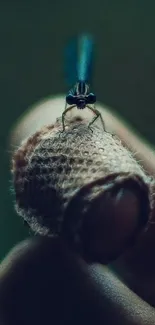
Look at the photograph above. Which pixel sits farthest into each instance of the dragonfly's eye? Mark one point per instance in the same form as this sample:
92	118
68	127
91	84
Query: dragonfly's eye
91	99
70	99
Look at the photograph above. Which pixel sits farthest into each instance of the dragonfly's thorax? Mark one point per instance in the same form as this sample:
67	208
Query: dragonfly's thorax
81	89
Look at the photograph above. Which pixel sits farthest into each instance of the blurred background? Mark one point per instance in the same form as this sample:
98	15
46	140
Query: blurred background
33	35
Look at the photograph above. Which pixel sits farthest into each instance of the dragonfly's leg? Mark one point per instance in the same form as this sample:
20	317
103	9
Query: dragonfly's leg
63	115
97	114
65	106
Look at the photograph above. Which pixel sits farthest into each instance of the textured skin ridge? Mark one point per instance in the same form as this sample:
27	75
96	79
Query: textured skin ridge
50	167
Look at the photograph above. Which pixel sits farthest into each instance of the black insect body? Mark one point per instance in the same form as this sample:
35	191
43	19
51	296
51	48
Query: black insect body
80	96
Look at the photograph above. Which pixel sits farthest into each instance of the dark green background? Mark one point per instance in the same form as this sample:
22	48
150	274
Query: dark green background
32	38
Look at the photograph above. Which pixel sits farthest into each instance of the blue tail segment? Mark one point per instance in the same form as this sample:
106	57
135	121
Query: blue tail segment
79	59
85	60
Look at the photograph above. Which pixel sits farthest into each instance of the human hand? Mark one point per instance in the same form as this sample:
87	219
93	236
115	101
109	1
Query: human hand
111	123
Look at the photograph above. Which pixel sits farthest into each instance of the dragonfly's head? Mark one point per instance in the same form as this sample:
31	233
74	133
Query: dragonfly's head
79	101
83	101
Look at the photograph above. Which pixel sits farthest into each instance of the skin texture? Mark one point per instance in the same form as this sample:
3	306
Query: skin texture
42	282
38	263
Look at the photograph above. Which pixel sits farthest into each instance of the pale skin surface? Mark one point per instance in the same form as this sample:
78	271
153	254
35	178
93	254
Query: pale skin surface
140	263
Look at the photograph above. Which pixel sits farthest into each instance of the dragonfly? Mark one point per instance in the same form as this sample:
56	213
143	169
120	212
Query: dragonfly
80	96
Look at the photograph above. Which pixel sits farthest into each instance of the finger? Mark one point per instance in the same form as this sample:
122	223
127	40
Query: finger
51	167
46	112
102	230
43	113
28	125
42	282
